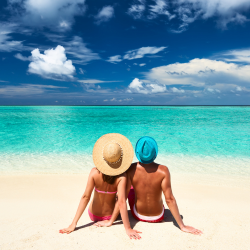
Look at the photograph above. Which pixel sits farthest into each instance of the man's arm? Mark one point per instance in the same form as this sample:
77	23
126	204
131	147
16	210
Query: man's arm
171	202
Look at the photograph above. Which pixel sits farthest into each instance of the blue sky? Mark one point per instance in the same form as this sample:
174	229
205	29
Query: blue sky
139	52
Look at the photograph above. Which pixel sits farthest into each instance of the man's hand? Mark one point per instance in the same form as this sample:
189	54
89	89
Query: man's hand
188	229
68	230
104	223
133	234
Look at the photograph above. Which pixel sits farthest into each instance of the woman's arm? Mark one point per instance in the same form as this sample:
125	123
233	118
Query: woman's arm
133	234
171	202
83	203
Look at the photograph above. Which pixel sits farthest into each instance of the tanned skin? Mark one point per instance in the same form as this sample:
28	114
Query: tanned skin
149	181
104	204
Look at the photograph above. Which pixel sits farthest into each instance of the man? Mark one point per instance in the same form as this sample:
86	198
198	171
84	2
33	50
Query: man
149	180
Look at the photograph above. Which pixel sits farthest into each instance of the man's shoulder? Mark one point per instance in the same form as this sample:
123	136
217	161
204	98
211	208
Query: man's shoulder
163	169
132	168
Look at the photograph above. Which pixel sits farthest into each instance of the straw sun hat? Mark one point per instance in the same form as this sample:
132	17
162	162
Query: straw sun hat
113	154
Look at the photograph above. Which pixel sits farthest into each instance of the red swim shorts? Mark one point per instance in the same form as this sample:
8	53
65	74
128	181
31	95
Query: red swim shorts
131	201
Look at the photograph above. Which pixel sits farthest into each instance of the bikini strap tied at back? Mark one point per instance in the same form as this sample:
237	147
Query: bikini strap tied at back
104	192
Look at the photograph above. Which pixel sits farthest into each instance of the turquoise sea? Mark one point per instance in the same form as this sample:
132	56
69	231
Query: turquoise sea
60	139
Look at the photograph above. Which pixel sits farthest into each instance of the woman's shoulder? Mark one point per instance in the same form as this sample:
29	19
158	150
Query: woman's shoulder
94	172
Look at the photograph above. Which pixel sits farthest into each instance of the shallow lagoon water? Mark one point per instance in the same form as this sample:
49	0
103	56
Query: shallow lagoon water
60	139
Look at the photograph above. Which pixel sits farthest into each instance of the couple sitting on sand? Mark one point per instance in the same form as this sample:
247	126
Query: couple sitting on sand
142	182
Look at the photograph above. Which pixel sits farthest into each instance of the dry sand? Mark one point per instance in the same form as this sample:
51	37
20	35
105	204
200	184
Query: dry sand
34	208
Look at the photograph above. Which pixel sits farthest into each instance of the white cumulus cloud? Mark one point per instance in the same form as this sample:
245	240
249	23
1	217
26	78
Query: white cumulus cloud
214	74
137	86
197	71
53	64
105	14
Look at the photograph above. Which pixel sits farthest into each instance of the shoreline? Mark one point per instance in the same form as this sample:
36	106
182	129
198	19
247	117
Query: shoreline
218	167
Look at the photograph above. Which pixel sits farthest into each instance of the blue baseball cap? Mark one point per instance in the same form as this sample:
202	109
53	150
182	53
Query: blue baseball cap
146	149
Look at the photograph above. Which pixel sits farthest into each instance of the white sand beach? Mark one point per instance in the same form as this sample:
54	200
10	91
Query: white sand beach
34	208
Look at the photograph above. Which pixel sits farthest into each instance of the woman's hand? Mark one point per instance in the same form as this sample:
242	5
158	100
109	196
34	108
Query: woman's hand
104	223
133	234
68	230
188	229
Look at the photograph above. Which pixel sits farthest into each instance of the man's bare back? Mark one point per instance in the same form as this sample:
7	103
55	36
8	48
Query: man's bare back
146	180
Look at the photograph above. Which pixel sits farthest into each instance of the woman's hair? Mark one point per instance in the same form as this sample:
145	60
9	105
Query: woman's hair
109	179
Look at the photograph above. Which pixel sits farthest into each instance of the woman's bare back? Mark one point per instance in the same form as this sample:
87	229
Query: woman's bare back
103	203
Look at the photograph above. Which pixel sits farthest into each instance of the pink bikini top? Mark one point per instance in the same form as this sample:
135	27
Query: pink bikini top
105	192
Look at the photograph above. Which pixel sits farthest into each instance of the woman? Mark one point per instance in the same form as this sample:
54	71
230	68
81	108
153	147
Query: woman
112	155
